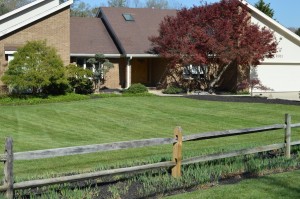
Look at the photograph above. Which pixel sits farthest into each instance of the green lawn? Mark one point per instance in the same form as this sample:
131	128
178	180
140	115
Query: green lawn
281	186
106	120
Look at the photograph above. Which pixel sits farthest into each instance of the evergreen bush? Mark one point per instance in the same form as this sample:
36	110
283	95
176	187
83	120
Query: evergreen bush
137	88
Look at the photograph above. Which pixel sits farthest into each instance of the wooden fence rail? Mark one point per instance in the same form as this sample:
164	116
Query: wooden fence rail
51	153
8	157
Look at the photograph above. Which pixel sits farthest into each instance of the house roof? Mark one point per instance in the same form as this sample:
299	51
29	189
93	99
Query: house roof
271	23
131	36
89	36
30	13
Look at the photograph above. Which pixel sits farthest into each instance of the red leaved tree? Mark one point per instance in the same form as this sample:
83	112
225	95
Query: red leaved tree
215	37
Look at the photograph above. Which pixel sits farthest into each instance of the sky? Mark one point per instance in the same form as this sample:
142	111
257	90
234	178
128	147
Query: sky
286	11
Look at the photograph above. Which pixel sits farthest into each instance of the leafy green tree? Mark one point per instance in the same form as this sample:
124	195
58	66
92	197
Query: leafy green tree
79	79
161	4
265	8
117	3
36	68
102	66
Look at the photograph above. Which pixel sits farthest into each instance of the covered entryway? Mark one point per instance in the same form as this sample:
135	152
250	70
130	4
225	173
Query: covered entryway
140	71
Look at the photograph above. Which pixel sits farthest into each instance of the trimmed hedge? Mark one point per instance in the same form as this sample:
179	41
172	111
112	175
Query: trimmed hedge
136	88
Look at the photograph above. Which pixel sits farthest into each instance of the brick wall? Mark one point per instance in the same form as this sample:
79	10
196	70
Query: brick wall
115	78
55	29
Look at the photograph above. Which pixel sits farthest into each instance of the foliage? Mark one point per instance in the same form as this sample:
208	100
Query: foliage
82	9
216	37
9	5
172	90
298	32
3	8
102	66
15	100
117	3
265	8
137	88
161	4
79	79
36	68
281	186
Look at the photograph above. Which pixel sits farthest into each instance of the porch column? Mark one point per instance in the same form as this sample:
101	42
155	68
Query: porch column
128	73
84	63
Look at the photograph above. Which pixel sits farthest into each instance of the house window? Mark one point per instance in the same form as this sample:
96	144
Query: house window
193	72
9	55
128	17
80	62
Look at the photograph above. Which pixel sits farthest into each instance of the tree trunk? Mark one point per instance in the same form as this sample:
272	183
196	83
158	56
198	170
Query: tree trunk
218	77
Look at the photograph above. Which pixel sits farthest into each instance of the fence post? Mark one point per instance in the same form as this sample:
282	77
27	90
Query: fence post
287	139
177	152
8	168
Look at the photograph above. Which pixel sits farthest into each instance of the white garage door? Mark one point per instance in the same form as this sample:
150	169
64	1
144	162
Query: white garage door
280	77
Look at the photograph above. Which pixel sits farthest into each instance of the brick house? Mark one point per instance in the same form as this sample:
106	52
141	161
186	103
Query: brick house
40	20
121	34
128	29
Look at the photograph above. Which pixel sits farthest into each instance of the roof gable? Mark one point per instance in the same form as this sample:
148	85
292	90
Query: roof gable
272	24
288	41
89	36
30	13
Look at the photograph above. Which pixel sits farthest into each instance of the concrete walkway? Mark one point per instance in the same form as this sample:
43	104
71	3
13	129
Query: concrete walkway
295	96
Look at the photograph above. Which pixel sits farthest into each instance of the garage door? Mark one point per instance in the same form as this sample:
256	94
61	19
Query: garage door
280	77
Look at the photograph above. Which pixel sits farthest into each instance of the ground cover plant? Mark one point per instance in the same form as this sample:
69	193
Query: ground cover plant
111	119
283	185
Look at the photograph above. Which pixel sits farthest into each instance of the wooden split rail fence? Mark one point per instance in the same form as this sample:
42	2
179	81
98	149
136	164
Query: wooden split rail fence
9	156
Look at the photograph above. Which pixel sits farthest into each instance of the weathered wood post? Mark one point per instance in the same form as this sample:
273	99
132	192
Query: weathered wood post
177	152
8	168
287	139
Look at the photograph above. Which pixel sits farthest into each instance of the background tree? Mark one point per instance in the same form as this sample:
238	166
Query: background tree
117	3
265	8
9	5
101	67
3	8
161	4
215	37
81	9
136	3
36	68
298	32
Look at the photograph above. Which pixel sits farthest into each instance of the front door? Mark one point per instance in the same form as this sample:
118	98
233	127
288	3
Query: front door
140	71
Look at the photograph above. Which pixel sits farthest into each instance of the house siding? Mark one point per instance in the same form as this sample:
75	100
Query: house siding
55	29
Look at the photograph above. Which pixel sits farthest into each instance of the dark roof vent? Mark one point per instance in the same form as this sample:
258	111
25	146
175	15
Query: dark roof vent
128	17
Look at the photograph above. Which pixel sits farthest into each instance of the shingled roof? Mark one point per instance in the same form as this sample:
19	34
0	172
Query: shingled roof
89	36
131	36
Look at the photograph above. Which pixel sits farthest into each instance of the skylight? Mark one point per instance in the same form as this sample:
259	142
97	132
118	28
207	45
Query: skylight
128	17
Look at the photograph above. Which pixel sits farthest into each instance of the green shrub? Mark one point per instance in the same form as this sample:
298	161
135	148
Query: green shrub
172	90
137	88
36	68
